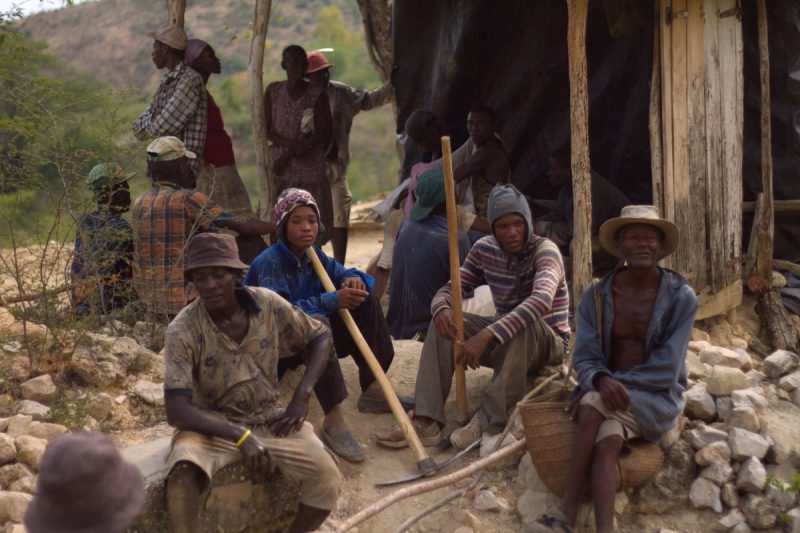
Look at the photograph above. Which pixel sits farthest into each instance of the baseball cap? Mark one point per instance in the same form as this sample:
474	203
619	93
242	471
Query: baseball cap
429	193
172	35
105	175
168	149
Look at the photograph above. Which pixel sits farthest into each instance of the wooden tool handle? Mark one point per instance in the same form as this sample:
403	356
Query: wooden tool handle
388	391
455	273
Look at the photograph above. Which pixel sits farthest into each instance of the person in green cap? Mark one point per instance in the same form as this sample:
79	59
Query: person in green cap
101	263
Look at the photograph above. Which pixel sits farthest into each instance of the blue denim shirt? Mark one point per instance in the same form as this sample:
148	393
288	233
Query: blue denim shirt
655	386
278	269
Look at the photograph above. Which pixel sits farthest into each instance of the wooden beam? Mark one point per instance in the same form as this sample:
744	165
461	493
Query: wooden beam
255	73
752	245
655	118
719	302
766	224
778	206
581	247
176	10
781	264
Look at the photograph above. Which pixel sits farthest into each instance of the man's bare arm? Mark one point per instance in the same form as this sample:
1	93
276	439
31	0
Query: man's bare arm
183	414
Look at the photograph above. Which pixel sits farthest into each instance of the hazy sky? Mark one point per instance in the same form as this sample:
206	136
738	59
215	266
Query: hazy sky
31	6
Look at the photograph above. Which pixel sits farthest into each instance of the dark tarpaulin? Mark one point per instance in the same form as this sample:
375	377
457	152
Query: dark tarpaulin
783	19
512	56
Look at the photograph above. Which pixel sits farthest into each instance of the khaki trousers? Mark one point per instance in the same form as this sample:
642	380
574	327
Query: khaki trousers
342	198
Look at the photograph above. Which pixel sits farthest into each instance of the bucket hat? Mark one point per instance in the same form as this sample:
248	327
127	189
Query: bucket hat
172	35
212	250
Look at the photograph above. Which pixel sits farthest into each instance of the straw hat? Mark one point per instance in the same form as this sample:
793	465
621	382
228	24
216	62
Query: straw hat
639	214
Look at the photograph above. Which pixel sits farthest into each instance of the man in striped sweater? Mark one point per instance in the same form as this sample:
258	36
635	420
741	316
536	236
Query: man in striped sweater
525	273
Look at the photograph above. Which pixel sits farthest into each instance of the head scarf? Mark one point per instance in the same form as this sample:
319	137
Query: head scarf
288	200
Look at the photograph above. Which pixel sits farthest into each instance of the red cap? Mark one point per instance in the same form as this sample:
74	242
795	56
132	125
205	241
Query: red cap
317	61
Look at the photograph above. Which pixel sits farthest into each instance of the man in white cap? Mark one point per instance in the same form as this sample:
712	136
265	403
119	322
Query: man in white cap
165	218
345	102
179	105
633	326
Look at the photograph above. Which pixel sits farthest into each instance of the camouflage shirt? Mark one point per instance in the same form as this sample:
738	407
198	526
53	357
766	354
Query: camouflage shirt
238	380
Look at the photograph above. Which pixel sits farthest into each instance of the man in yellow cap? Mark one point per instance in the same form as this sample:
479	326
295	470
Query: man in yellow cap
165	218
179	105
345	102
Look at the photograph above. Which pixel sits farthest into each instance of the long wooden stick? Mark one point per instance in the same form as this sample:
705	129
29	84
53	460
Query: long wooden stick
427	486
766	222
455	274
388	391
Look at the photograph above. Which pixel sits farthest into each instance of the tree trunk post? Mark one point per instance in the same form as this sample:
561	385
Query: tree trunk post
176	10
376	17
581	248
767	220
255	72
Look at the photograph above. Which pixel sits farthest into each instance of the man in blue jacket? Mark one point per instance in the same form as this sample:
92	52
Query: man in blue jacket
630	361
285	269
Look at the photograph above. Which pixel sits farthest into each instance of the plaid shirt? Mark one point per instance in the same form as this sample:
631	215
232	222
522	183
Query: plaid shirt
179	109
164	219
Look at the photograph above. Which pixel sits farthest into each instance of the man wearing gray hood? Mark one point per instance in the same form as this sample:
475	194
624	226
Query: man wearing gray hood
525	273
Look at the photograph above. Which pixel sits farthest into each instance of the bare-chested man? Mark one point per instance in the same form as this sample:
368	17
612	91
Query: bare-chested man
631	368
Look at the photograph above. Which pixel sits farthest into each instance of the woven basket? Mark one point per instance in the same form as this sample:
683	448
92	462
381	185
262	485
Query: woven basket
550	436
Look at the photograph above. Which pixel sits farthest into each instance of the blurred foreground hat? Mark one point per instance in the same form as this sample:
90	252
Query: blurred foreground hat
639	214
212	250
418	124
106	175
167	149
317	61
194	47
172	35
429	193
85	486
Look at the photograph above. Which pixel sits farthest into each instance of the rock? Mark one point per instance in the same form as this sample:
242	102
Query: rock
13	506
703	435
26	484
464	529
759	511
99	406
718	356
724	380
694	367
750	397
503	503
667	489
779	363
704	493
699	404
485	500
39	389
46	431
783	497
783	395
744	357
778	280
699	345
33	409
92	370
746	444
729	495
724	407
131	355
794	519
528	477
488	442
6	404
531	504
8	451
149	392
752	476
30	450
738	343
790	382
10	473
745	418
719	473
713	453
741	527
796	397
732	519
18	425
699	337
754	378
669	437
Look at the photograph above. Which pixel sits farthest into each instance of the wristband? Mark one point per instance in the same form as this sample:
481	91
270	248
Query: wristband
243	438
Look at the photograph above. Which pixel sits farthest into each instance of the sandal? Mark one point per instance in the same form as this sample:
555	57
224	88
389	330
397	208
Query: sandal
345	446
552	521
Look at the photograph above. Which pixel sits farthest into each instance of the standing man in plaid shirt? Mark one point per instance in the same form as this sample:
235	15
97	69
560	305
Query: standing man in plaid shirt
164	219
179	105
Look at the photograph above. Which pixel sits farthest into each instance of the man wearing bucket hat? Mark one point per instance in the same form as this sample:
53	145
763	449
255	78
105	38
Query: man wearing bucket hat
178	107
345	103
85	486
165	218
634	326
103	253
221	388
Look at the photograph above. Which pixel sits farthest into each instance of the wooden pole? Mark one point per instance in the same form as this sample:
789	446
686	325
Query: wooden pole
767	220
176	10
581	247
455	274
255	73
424	461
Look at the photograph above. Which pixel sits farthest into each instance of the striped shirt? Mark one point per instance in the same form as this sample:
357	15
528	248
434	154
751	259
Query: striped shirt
164	218
526	286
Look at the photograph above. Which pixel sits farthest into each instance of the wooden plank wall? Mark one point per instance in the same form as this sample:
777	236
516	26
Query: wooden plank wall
700	185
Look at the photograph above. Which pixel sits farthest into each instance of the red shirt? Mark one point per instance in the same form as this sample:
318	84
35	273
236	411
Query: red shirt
218	149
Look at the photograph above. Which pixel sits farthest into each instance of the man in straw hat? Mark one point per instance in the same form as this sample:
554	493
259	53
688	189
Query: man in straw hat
221	388
85	486
179	104
630	360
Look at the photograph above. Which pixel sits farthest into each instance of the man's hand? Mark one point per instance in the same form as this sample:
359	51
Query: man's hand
445	326
354	283
613	393
350	298
255	455
473	349
291	420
